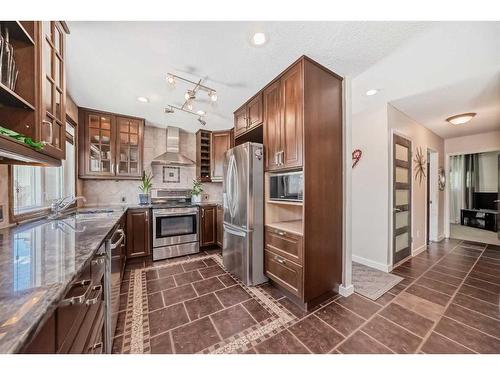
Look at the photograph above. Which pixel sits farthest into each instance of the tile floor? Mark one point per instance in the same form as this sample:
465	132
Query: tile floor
448	302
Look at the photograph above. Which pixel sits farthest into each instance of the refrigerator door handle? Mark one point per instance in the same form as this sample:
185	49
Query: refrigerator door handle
234	232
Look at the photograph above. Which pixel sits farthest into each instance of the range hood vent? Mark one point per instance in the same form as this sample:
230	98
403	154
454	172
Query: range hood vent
173	155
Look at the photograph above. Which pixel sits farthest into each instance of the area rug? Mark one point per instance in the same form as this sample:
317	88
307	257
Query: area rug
371	282
137	333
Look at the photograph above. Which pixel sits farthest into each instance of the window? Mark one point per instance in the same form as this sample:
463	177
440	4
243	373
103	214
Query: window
34	188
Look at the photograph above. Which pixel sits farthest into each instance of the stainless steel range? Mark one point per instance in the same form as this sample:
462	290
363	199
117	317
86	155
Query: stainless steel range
176	224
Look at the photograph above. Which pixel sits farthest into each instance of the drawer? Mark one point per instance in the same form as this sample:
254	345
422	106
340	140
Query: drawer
285	244
284	272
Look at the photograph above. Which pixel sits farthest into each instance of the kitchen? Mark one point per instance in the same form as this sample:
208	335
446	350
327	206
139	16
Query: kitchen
121	200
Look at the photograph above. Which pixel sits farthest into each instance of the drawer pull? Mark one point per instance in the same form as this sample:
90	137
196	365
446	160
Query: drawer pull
281	233
78	300
97	298
279	260
98	260
95	347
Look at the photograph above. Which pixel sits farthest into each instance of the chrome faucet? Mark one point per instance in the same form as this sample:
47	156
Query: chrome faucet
59	205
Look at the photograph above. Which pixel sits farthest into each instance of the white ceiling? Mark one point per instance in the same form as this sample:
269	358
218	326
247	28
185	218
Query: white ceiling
110	64
480	94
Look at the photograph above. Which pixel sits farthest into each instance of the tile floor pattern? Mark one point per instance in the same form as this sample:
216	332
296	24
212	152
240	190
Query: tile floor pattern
448	302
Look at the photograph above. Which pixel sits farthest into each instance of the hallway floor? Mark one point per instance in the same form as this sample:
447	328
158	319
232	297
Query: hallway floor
462	232
448	302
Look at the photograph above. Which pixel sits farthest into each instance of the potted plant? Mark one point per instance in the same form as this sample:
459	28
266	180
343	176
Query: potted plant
145	187
196	191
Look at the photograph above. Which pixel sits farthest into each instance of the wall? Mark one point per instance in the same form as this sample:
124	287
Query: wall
472	144
422	138
488	172
155	141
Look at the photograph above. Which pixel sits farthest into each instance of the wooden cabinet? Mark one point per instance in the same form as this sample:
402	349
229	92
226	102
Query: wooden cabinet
220	225
203	155
138	233
285	273
110	146
283	121
221	141
248	116
208	226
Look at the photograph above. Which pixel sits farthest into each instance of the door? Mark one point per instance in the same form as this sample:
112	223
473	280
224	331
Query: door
236	187
272	125
128	147
99	151
235	251
401	244
220	227
291	118
208	226
255	112
240	121
220	143
138	233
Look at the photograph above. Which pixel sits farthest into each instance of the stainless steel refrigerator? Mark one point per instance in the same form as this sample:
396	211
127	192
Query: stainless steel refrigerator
243	195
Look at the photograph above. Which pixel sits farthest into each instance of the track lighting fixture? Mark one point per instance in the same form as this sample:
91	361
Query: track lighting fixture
201	121
213	96
170	79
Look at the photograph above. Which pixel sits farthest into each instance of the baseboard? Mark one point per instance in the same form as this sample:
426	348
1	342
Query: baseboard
418	251
370	263
441	237
346	291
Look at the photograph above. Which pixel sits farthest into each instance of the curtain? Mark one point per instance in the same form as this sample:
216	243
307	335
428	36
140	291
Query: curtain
471	172
457	187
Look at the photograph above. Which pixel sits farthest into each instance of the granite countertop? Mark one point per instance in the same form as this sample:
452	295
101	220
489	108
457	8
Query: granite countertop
38	263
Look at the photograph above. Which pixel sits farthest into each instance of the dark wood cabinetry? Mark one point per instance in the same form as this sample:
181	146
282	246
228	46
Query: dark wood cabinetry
208	226
210	149
111	146
283	111
249	116
35	108
220	225
138	233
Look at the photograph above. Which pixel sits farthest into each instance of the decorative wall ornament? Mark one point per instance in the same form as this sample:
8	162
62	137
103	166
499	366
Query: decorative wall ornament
441	178
172	174
420	165
356	157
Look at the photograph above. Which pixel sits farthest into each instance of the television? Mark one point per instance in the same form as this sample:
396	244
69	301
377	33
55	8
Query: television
485	201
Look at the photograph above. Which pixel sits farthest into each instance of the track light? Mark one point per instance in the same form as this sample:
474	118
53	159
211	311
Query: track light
201	121
170	79
213	96
189	105
169	109
190	95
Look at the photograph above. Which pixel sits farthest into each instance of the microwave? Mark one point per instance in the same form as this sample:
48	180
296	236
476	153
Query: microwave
286	186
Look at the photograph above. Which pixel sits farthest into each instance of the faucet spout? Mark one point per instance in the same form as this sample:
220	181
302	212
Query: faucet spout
58	206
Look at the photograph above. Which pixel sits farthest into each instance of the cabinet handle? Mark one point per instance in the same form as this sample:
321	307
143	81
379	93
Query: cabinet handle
281	233
78	300
276	158
279	260
98	260
96	299
95	347
282	153
202	212
50	132
112	168
114	245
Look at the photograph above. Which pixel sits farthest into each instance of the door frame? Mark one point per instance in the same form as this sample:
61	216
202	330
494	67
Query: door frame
433	216
391	197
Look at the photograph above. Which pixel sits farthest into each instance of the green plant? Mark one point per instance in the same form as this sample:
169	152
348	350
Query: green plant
21	138
197	188
146	183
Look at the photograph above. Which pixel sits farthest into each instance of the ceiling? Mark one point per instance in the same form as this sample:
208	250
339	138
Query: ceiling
480	94
110	64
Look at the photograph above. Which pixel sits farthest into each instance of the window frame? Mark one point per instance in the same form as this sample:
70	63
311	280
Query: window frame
42	212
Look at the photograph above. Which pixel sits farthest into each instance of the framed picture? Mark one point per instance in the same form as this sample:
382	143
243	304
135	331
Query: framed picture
172	174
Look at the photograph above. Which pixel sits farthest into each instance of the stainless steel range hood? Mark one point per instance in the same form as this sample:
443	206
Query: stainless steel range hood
173	155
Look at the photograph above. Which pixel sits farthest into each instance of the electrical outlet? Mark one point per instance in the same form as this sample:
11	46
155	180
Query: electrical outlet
205	197
124	199
1	213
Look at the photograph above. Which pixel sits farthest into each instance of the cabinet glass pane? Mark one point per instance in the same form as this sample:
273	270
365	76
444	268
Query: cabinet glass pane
134	139
402	242
123	167
48	96
401	219
58	71
124	156
401	197
133	167
94	165
134	154
57	40
124	138
401	153
105	136
47	29
94	122
95	151
402	175
124	128
56	134
134	128
58	98
106	123
105	166
47	58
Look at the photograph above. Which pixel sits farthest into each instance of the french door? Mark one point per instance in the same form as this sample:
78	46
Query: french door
401	204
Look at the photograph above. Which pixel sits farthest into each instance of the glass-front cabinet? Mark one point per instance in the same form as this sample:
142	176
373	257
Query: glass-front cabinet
111	146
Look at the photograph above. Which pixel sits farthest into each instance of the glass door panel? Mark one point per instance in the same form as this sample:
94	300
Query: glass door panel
128	147
100	153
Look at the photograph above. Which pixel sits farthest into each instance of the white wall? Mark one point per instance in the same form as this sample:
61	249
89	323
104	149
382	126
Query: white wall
431	61
473	144
488	172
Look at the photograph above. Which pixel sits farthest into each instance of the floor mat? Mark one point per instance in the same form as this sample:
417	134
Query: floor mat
371	282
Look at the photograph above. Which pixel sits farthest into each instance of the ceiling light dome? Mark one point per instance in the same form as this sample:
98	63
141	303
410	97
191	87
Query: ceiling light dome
142	99
371	92
259	39
461	118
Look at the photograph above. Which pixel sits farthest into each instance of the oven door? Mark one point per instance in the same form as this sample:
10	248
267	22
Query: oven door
173	226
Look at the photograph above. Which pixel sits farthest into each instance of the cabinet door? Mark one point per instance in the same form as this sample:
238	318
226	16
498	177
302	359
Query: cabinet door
220	143
220	225
129	145
53	89
99	145
208	226
291	118
255	112
138	233
271	97
240	121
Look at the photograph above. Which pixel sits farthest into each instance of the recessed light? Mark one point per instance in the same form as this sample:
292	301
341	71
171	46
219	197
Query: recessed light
461	119
200	112
258	39
371	92
142	99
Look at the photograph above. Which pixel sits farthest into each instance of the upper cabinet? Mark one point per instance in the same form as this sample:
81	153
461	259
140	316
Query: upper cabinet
272	119
248	116
110	146
210	149
53	88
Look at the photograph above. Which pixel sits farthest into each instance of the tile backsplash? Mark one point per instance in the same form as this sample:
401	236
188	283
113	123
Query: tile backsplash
155	143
